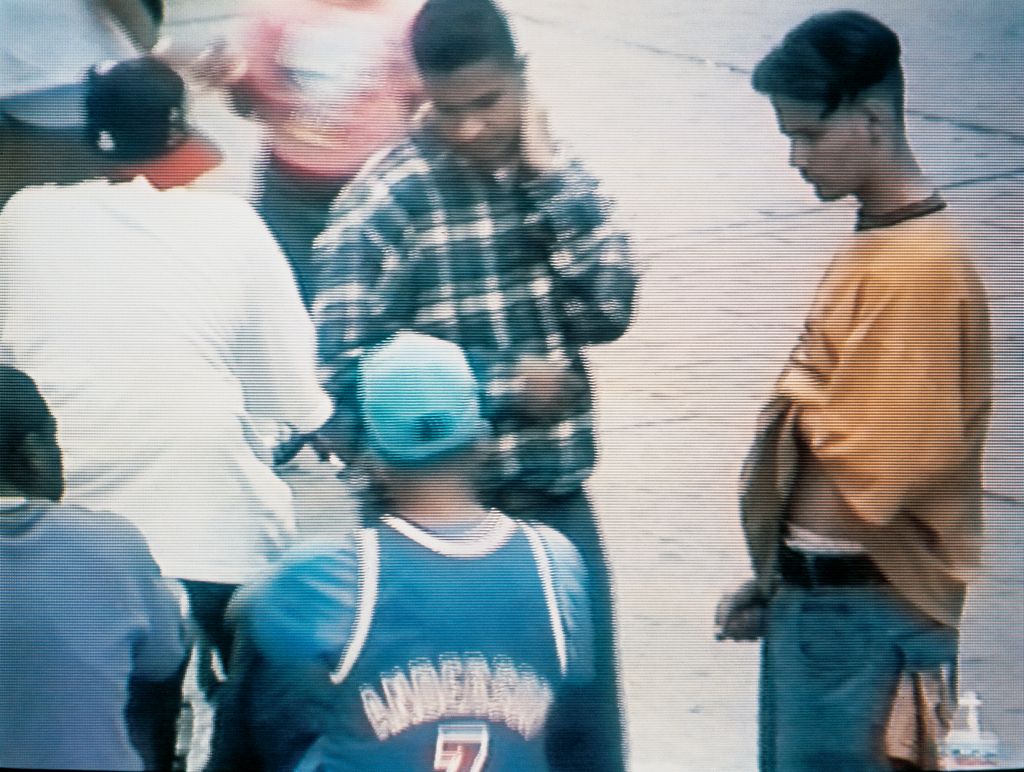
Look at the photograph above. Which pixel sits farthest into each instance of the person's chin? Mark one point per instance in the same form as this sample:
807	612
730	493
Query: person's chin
826	195
488	157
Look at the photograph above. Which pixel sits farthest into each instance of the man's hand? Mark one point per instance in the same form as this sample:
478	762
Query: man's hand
536	149
549	389
339	437
740	615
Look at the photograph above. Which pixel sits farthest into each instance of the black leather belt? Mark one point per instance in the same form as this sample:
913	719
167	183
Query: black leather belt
811	569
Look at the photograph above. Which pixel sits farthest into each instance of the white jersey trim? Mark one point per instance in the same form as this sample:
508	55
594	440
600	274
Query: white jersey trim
492	534
369	581
540	554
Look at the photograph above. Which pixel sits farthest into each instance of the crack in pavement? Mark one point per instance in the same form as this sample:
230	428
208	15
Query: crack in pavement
736	69
1003	497
767	218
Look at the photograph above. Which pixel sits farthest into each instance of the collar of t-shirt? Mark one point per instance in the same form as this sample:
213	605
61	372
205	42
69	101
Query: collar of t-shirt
16	516
10	503
934	203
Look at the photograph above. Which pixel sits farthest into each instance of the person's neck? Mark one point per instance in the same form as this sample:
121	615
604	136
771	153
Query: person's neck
10	492
897	183
357	5
441	508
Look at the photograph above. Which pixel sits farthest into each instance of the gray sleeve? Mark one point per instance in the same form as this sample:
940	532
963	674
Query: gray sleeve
163	642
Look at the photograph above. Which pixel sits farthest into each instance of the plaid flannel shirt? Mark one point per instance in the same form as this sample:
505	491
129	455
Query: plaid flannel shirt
503	265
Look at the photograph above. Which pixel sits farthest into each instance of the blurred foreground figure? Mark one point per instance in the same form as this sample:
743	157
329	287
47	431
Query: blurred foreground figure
333	82
862	494
478	230
448	632
84	612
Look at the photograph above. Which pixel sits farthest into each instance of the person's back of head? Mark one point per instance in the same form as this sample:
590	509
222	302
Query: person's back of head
833	59
30	461
419	401
448	35
836	84
135	110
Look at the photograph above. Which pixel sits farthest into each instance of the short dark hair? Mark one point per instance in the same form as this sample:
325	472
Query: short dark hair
155	8
448	35
135	109
833	58
23	411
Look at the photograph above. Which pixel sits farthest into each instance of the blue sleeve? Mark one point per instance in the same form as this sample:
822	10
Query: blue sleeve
292	626
572	595
304	610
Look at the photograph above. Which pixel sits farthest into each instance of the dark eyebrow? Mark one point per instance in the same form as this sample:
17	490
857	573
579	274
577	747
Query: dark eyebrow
488	99
481	102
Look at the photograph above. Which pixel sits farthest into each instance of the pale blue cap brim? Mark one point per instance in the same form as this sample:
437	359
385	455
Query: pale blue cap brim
47	48
62	107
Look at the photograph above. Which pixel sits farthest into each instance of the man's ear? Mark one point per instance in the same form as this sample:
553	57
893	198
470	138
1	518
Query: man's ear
41	466
33	453
878	117
521	69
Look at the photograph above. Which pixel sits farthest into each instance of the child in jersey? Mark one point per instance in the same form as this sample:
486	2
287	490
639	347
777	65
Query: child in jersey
443	638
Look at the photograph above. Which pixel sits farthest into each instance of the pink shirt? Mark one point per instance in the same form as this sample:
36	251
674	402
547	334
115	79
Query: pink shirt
334	81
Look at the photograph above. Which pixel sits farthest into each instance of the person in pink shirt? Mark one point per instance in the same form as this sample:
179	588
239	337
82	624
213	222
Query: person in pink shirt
333	81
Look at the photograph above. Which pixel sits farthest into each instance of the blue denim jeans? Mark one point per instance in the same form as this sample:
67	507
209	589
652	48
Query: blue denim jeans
830	662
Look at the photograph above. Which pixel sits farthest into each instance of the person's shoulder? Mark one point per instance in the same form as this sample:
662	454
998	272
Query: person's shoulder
555	542
320	552
216	202
224	217
304	605
36	197
567	567
403	168
103	535
917	255
937	231
395	182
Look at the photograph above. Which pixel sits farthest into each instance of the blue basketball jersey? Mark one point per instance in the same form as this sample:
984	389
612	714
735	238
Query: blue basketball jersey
455	656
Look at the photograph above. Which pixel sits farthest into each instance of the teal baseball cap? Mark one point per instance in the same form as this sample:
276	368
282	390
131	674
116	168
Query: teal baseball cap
419	399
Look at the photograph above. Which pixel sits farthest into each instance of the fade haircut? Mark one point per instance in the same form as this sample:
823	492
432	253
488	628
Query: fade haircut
155	8
833	58
23	411
448	35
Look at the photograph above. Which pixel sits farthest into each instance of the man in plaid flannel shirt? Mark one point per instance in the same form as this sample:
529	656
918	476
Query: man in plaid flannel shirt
477	230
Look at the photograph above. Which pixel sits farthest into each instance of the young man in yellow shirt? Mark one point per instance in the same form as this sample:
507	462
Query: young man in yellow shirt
862	563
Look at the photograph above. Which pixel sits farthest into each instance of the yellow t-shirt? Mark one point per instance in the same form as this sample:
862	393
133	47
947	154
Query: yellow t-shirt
891	381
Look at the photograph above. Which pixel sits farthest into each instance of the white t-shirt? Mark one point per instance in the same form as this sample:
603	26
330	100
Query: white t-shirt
161	327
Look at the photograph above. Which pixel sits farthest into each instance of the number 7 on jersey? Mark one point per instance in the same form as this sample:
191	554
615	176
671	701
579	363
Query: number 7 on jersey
461	748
